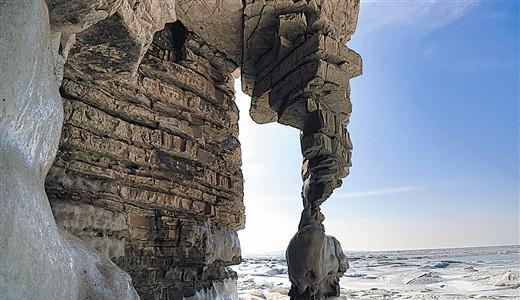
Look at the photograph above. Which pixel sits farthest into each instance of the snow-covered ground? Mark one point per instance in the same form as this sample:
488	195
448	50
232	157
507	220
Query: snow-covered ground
466	273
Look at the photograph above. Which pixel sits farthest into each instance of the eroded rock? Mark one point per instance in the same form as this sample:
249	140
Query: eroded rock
148	171
74	16
148	168
297	68
314	259
34	259
218	24
37	261
116	43
99	277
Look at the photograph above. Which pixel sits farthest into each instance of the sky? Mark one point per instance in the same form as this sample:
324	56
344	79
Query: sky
435	128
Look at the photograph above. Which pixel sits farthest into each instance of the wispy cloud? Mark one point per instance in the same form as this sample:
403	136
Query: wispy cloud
379	192
427	14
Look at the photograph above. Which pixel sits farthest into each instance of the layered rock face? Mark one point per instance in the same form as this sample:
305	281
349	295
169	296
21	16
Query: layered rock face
297	69
148	170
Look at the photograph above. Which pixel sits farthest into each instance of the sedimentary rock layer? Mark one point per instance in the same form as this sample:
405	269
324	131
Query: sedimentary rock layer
296	68
148	170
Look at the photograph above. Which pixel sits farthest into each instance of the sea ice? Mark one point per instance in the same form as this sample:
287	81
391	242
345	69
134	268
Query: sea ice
444	274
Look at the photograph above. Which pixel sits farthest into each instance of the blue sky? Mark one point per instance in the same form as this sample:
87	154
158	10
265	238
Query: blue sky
435	128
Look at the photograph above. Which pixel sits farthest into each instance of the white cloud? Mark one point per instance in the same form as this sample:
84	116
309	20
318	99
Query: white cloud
380	192
426	14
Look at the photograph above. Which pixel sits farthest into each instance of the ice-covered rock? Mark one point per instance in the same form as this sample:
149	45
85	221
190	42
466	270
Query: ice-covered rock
221	245
427	278
509	278
277	271
220	290
315	261
36	260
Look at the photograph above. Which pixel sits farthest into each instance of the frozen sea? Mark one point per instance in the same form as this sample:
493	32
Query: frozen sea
465	273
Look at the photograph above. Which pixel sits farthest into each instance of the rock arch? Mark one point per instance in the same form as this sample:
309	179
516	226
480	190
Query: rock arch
148	166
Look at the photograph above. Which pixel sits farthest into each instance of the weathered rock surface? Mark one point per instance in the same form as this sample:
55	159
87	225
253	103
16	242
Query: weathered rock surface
148	170
36	260
218	23
74	16
220	290
111	36
99	277
315	260
148	166
297	69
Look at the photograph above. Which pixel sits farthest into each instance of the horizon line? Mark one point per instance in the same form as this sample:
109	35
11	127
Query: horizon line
390	250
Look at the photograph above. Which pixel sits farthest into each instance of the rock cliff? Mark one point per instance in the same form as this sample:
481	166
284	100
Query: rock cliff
148	170
124	111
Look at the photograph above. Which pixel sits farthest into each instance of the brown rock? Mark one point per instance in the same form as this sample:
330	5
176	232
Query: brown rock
156	154
148	169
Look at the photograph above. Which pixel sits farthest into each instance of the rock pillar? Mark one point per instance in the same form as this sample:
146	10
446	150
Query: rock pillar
296	68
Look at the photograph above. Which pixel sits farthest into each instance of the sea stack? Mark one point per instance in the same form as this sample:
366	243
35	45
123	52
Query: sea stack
297	68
